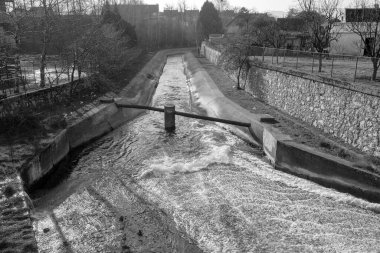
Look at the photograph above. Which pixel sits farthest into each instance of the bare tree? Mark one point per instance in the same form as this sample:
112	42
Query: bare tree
321	17
221	5
266	31
182	7
364	21
235	57
244	19
45	41
134	2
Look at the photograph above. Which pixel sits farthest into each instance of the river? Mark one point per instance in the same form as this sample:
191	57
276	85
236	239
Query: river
200	189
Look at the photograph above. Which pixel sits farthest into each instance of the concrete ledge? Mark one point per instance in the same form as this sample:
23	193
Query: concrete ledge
270	141
281	150
327	170
93	125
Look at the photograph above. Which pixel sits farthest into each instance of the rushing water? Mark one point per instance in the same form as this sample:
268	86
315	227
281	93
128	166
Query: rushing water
204	183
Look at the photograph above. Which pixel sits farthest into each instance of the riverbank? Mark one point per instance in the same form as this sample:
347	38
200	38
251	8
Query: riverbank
112	191
93	208
298	130
218	190
23	139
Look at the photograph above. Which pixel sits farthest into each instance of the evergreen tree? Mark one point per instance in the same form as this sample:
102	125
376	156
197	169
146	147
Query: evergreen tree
112	16
209	21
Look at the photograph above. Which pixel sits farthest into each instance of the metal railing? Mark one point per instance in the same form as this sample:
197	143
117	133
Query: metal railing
22	76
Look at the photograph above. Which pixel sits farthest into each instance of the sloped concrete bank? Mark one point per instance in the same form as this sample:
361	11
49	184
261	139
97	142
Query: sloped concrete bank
282	151
16	231
97	122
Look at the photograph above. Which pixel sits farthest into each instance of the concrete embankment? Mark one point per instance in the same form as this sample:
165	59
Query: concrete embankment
282	151
16	230
98	121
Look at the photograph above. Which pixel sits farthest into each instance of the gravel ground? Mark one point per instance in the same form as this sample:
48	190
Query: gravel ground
300	131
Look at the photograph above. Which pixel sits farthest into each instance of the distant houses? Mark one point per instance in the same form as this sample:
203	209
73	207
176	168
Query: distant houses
136	14
161	29
292	30
295	35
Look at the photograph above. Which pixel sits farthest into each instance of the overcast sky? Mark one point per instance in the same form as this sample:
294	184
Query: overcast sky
258	5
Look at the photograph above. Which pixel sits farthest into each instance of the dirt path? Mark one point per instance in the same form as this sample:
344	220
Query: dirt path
298	130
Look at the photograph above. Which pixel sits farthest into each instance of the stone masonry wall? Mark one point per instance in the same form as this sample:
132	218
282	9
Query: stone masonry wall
345	110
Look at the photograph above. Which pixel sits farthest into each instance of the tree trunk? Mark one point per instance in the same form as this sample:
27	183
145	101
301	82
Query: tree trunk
320	62
277	52
44	45
75	63
73	72
238	77
43	65
375	68
79	71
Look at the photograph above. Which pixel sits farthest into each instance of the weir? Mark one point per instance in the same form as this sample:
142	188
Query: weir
184	114
200	189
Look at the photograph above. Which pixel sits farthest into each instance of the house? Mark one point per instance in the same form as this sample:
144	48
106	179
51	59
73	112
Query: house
294	33
348	42
169	13
142	16
135	14
237	24
191	16
232	28
227	16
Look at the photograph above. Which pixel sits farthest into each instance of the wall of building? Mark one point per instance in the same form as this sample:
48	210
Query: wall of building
348	111
348	44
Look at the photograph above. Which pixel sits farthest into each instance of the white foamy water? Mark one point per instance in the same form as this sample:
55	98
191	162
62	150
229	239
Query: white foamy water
216	188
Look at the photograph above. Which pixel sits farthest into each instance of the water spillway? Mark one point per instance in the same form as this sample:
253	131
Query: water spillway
200	189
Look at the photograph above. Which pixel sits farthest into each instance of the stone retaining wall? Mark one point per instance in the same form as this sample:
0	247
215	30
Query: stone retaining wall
349	111
281	150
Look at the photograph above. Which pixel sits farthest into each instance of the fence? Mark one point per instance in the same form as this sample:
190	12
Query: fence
344	67
21	76
10	74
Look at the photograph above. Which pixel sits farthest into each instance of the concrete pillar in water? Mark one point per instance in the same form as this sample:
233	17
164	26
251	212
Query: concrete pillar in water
169	111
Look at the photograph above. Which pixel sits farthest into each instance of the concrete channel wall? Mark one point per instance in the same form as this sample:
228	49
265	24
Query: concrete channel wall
98	121
281	150
18	234
349	111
